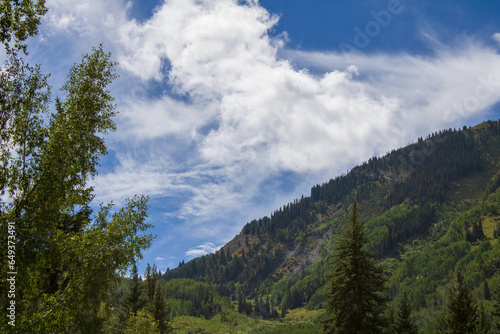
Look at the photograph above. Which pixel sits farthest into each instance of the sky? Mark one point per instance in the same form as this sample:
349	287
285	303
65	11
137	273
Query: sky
230	109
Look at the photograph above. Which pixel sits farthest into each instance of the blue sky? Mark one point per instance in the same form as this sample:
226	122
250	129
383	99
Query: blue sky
230	109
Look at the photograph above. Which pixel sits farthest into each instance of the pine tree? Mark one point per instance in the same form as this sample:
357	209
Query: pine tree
151	277
134	299
354	299
461	314
161	312
404	322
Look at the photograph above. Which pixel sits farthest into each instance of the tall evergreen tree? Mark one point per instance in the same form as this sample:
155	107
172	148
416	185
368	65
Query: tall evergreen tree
161	312
151	278
355	300
461	314
134	298
240	300
404	322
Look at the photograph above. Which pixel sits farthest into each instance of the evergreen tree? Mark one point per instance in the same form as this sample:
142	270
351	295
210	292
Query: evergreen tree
134	300
161	312
461	314
151	278
354	298
404	322
240	300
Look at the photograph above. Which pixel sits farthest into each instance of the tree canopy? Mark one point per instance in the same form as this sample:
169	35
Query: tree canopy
63	257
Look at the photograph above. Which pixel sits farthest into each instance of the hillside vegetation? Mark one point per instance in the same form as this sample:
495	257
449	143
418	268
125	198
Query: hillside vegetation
426	207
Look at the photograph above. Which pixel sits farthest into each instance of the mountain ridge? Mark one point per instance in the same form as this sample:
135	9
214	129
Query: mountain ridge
410	197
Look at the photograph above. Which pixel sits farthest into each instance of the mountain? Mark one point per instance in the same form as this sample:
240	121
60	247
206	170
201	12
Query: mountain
426	207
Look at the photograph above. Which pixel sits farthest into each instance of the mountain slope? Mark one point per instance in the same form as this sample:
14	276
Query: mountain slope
430	195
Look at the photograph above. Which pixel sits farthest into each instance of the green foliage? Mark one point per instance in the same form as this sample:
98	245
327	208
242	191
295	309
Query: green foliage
67	257
496	309
461	315
355	299
18	21
404	323
301	328
134	299
187	297
141	323
427	207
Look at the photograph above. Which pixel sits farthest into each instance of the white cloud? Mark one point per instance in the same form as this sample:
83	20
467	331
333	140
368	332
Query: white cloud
496	37
87	18
149	119
202	250
244	115
448	89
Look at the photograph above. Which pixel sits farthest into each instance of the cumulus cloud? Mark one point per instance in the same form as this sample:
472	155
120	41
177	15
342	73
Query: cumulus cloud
434	92
272	117
242	109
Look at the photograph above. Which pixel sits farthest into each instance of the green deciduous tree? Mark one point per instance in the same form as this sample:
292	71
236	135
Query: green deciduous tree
18	21
141	323
66	257
483	321
355	301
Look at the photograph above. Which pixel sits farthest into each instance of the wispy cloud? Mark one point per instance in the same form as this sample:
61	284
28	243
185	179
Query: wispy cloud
496	37
202	250
233	110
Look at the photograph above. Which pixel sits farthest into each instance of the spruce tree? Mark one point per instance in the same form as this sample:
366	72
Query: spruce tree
151	277
134	299
404	322
355	300
461	314
161	312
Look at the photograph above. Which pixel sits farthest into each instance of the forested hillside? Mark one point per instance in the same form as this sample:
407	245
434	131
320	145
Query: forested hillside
426	207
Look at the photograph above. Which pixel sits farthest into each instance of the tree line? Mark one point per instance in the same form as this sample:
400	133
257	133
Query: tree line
357	301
